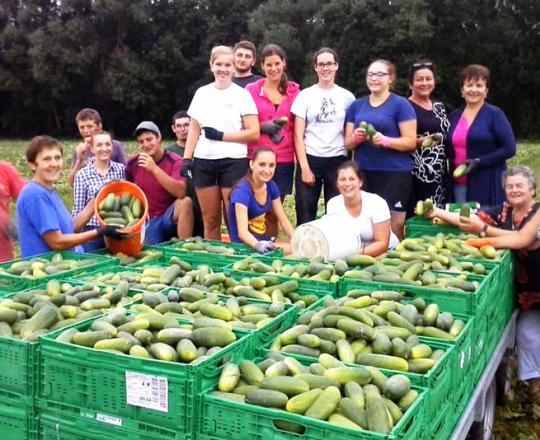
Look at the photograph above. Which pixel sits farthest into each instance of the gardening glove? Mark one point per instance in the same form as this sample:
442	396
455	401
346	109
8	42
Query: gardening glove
276	138
187	169
213	134
472	164
112	231
264	246
270	127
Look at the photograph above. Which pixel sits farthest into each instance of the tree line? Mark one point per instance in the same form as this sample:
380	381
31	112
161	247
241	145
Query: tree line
143	59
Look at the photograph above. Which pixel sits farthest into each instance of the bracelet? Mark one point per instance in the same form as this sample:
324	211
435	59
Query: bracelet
484	230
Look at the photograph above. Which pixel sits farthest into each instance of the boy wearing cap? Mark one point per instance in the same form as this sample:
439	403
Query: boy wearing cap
157	172
89	123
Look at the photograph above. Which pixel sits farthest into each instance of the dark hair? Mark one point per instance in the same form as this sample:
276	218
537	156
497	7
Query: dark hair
101	132
179	115
419	65
325	50
248	45
274	49
353	165
249	175
88	113
39	143
391	69
476	72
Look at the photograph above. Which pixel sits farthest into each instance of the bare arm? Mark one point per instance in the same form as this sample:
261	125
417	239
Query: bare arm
381	238
242	225
349	130
193	136
407	140
299	146
58	241
249	134
176	188
282	218
80	155
83	216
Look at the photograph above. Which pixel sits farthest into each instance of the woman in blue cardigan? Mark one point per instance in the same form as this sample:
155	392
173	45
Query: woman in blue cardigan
481	137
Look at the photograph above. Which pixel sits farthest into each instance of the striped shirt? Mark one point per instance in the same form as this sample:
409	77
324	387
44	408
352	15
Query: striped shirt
88	182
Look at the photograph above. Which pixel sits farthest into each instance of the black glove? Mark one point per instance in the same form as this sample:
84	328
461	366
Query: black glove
112	231
276	138
472	164
270	127
187	169
213	134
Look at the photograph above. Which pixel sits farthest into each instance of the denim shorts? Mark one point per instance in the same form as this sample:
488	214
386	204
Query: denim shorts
161	228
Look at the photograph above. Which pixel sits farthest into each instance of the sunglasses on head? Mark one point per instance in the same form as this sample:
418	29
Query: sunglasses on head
417	66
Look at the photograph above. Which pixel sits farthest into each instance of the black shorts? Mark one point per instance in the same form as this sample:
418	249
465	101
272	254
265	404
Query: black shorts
393	186
218	172
283	178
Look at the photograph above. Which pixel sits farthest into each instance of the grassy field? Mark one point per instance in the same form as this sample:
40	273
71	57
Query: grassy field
514	420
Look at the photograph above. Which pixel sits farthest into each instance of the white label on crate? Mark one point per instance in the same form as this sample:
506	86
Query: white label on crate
109	419
148	391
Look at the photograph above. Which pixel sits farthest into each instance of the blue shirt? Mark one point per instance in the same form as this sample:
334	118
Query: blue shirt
41	210
385	118
243	194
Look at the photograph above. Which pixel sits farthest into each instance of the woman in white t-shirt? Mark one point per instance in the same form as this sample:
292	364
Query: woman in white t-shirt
368	210
318	135
223	121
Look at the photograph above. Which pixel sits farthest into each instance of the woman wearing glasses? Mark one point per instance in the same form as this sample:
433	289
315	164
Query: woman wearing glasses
318	135
383	150
274	95
480	137
429	160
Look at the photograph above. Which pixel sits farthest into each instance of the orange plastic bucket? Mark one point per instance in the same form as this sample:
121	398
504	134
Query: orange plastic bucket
133	245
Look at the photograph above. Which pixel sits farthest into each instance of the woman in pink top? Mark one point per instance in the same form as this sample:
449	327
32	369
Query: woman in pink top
274	96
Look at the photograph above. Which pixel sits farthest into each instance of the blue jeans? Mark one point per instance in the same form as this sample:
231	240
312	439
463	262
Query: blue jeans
161	228
460	193
306	196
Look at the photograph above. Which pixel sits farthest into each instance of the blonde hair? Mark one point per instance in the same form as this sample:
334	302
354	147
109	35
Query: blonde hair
220	50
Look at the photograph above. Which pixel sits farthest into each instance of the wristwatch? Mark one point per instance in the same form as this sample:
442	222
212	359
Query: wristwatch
483	232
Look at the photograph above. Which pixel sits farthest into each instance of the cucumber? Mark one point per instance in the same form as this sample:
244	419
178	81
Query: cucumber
43	319
187	352
300	403
212	337
325	404
360	260
396	387
267	398
383	361
317	381
89	338
288	385
350	409
120	344
342	375
251	373
163	352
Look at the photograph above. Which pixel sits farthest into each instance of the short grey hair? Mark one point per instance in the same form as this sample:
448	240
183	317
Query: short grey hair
520	171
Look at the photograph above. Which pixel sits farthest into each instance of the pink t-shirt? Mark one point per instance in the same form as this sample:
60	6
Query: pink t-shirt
459	141
159	199
11	184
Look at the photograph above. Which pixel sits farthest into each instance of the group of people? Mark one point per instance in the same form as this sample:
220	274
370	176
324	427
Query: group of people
246	140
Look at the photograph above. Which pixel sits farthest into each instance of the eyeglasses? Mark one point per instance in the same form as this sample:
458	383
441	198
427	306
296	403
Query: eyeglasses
182	126
327	65
377	74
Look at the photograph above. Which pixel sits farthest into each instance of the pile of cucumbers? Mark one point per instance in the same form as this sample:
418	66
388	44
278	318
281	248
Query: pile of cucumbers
353	397
372	328
180	274
121	209
316	269
151	336
210	309
30	314
198	244
39	267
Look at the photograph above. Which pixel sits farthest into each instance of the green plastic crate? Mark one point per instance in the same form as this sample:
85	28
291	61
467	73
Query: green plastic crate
318	288
139	261
418	226
466	303
62	422
240	249
14	283
443	426
19	363
17	417
96	380
224	419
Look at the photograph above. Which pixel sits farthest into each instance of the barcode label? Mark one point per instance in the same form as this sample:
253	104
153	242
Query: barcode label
147	391
109	419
